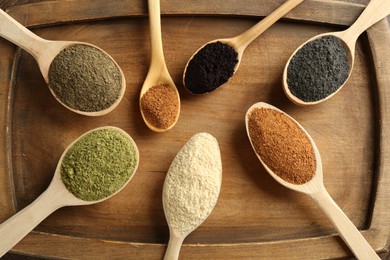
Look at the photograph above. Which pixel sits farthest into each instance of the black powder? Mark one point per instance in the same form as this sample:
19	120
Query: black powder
85	78
211	67
318	69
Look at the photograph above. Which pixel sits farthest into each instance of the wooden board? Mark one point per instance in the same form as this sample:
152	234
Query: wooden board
255	217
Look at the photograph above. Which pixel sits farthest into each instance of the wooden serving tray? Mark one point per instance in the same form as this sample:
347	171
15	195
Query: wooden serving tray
255	216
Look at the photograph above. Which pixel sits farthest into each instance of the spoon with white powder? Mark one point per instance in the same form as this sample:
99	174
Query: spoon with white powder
191	189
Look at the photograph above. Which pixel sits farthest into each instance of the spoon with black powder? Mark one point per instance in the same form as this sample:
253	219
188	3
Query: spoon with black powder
212	65
95	167
81	76
321	66
290	156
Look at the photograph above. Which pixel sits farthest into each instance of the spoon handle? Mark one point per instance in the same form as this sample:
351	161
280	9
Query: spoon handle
349	233
174	245
16	33
376	10
244	39
155	32
19	225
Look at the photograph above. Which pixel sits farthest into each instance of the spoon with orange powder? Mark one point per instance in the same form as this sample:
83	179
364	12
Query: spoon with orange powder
294	161
159	97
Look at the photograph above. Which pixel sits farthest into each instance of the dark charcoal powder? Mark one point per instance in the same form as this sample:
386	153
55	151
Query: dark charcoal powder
85	78
318	69
211	67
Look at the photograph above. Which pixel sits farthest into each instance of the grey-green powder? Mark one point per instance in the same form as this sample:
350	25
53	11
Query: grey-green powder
84	78
98	164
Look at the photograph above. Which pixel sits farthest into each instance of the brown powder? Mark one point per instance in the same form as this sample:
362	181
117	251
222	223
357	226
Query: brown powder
160	106
282	145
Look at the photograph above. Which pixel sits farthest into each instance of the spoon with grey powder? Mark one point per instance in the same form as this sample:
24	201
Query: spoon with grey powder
191	189
213	64
290	156
321	66
93	168
81	76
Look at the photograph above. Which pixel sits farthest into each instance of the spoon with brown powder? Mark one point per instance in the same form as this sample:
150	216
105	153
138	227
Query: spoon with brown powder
81	181
291	157
212	65
81	76
159	98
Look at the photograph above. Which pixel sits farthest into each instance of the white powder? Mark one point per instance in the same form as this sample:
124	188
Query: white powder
193	183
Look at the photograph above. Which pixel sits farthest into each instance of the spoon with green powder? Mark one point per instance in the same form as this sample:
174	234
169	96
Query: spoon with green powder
213	64
191	189
291	157
81	76
321	66
93	168
159	97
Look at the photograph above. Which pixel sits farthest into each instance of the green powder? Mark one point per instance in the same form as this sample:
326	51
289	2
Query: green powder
98	164
84	78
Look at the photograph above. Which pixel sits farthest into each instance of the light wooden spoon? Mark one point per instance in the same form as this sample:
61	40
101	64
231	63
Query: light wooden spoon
44	52
158	72
375	11
186	181
240	42
316	190
55	197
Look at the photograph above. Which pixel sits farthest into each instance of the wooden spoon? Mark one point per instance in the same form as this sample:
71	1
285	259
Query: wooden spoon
190	176
240	42
55	197
158	72
375	11
44	52
316	190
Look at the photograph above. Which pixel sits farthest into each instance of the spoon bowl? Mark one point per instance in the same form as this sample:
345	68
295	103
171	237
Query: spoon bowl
316	190
45	51
158	73
240	42
349	48
313	184
154	79
53	198
375	11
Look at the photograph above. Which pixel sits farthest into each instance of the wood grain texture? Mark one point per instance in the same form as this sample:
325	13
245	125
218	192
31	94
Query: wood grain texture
340	12
255	217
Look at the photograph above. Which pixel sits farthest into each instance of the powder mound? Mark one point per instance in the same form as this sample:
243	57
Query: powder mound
192	184
160	106
318	69
98	164
211	67
84	78
282	145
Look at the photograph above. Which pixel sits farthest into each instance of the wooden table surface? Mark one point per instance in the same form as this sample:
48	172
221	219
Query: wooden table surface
7	3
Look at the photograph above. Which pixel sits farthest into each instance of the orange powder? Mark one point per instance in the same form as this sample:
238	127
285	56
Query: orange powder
160	106
282	145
